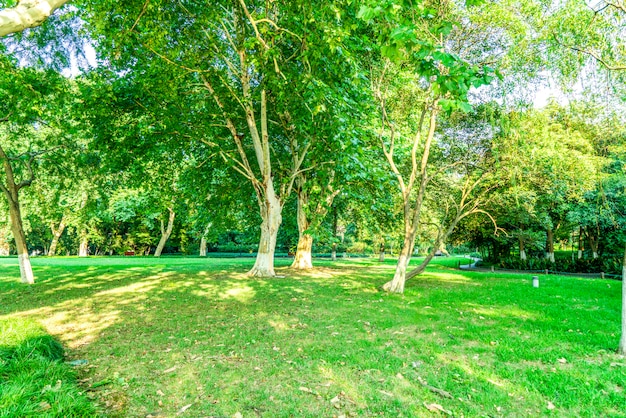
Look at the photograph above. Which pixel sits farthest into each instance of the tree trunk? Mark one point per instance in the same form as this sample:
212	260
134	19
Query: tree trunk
303	259
381	253
27	14
203	246
83	249
593	243
26	271
396	285
56	234
622	341
165	233
550	245
271	217
333	253
5	247
522	250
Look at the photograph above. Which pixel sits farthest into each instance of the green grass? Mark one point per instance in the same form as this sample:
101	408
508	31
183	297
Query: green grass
34	382
195	337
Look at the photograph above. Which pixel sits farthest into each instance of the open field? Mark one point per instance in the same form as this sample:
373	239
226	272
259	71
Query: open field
195	337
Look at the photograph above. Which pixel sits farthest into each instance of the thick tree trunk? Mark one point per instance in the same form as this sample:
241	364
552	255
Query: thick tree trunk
271	209
396	285
622	341
56	234
83	248
165	233
550	245
522	250
303	259
26	271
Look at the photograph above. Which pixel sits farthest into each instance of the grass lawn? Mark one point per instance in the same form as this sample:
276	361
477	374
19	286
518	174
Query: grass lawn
194	337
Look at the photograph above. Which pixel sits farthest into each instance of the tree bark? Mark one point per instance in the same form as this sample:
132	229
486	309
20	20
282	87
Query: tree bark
396	285
270	209
522	250
165	233
203	246
622	342
26	271
56	234
580	243
381	253
550	245
27	14
303	259
83	248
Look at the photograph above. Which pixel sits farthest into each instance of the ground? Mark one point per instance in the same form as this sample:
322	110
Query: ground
196	337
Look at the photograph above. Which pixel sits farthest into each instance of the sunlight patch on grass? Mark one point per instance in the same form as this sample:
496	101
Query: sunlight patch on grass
243	294
504	312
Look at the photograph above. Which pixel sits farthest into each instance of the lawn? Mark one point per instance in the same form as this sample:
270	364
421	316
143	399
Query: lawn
195	337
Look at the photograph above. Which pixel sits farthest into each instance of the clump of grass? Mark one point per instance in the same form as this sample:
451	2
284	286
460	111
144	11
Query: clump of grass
34	381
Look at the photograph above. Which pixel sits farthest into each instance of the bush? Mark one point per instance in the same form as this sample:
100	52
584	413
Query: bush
609	265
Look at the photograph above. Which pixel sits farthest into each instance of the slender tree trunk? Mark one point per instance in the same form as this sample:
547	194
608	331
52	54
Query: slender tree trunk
203	246
165	233
303	259
550	245
26	271
381	253
580	243
593	243
83	248
271	217
5	247
56	234
622	341
522	249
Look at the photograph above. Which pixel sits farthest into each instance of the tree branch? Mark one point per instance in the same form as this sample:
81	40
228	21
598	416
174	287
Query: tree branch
27	14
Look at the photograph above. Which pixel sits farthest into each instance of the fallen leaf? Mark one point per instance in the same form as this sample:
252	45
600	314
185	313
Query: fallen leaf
238	415
562	360
44	405
183	409
160	392
305	389
171	369
335	400
434	407
550	406
399	376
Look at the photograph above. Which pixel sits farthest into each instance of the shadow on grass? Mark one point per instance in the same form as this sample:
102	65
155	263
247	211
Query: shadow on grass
160	337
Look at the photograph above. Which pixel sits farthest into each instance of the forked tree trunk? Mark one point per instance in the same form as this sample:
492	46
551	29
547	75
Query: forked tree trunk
622	341
550	245
165	233
303	259
270	209
83	248
56	234
522	250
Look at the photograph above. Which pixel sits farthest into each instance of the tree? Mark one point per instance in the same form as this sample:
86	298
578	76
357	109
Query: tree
416	65
30	102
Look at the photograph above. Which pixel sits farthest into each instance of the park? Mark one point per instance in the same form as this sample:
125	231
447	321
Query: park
244	208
